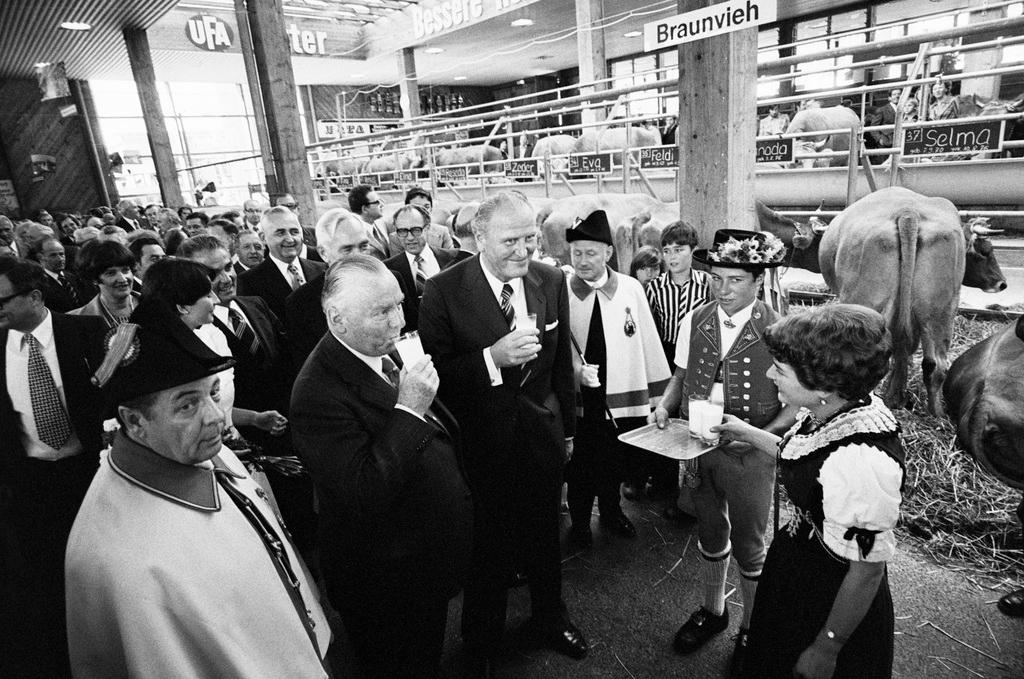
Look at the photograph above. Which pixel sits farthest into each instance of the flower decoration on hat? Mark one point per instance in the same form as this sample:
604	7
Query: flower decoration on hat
767	250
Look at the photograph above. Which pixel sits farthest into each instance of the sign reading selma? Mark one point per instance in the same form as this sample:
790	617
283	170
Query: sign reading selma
724	17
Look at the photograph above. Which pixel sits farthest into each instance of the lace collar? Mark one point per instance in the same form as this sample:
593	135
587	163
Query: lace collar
871	418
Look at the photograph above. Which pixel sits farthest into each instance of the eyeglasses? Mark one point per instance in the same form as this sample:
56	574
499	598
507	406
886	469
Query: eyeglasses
373	202
290	206
8	298
416	232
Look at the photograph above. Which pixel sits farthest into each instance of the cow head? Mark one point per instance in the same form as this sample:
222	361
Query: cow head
982	268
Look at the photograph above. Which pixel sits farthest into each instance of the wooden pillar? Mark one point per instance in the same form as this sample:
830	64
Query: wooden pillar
280	104
717	128
590	51
106	187
137	43
253	82
408	87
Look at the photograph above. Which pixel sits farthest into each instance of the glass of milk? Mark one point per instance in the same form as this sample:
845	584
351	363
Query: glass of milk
410	348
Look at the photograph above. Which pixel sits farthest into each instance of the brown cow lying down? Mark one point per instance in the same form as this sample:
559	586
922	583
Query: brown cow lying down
985	400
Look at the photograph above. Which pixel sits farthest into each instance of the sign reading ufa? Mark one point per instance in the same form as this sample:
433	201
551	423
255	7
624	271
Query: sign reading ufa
725	17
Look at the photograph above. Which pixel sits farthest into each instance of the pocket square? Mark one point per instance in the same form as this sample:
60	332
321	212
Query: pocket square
551	326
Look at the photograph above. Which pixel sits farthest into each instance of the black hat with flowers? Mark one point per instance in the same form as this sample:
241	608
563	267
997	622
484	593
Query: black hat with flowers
741	249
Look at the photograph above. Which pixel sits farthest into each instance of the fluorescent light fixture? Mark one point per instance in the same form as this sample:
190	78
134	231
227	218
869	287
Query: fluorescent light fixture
633	34
459	77
42	64
434	50
75	26
522	23
520	82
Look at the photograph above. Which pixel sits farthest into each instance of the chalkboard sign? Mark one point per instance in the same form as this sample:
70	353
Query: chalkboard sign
954	138
346	181
654	157
369	179
590	163
405	177
529	168
451	174
774	150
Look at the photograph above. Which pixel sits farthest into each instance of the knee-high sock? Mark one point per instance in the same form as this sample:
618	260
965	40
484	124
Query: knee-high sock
748	590
714	571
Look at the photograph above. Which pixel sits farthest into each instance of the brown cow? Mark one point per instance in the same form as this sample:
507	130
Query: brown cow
904	255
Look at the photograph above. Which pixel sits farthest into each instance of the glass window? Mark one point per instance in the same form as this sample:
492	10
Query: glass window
207	99
115	98
1013	54
838	30
222	133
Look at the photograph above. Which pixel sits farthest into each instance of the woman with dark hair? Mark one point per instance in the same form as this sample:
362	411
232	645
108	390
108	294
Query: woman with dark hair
108	264
646	265
180	291
823	607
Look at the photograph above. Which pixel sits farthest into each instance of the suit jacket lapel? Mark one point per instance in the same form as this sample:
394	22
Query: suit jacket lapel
479	291
536	302
72	372
371	387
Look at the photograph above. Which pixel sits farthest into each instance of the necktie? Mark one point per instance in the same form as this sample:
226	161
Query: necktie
68	288
244	332
390	370
52	424
421	275
296	276
506	304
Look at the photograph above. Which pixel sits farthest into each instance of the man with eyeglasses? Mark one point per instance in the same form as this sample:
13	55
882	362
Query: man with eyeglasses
419	261
52	431
438	235
364	202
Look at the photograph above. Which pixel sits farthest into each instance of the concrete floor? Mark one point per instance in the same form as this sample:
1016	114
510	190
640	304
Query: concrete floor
628	606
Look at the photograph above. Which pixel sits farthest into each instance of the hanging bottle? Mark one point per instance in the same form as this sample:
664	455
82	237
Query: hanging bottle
373	104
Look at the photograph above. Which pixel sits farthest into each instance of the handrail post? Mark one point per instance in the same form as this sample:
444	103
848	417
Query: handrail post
547	171
626	157
851	167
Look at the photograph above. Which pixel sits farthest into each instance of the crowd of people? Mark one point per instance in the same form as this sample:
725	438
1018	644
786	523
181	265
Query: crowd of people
269	459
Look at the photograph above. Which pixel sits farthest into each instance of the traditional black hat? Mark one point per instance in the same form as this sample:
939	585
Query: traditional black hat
741	249
593	227
151	356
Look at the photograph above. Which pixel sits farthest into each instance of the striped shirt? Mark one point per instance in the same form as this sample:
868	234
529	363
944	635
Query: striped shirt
670	302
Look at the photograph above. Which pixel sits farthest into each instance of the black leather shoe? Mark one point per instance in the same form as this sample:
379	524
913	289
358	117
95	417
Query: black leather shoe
678	517
561	636
1012	604
701	626
739	653
618	524
581	537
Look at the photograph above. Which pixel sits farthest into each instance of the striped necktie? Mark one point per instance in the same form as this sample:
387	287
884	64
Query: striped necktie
68	288
52	424
421	275
506	304
390	370
296	275
244	332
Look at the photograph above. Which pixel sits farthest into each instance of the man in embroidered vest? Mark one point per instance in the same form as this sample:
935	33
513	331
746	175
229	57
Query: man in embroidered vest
609	317
177	565
721	356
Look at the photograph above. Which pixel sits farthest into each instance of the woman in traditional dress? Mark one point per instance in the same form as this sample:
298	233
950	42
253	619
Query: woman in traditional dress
108	264
823	607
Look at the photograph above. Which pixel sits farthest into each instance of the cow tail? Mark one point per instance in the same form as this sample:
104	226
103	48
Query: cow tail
907	225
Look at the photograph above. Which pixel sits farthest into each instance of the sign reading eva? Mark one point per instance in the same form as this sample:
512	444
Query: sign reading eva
590	163
725	17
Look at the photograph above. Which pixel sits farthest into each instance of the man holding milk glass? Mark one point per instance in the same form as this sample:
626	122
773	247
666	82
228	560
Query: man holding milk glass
721	362
610	319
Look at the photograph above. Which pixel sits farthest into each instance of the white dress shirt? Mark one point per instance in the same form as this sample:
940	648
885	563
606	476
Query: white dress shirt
518	305
376	364
283	268
430	265
727	337
21	398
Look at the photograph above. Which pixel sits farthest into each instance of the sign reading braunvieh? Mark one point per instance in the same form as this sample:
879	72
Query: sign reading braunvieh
724	17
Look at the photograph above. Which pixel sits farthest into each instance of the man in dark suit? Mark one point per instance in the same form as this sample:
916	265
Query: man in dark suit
419	261
511	388
364	202
250	251
51	419
128	217
883	115
263	378
283	271
62	291
396	513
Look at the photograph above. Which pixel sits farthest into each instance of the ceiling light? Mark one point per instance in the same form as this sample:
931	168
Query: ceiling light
75	25
520	82
434	50
633	34
521	23
459	77
42	64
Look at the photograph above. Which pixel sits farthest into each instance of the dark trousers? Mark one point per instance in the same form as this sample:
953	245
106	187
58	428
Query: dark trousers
600	462
516	525
37	521
394	618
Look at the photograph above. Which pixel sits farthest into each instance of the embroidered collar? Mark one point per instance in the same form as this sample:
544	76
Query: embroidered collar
192	486
582	290
872	418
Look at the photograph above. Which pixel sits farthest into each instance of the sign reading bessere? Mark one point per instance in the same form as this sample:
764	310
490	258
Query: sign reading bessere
724	17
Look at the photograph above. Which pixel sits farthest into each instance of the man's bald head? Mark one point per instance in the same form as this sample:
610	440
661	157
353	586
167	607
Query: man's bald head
253	210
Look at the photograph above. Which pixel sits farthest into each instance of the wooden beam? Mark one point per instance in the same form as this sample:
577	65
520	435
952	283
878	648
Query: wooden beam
281	105
590	50
252	75
408	87
137	43
717	128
